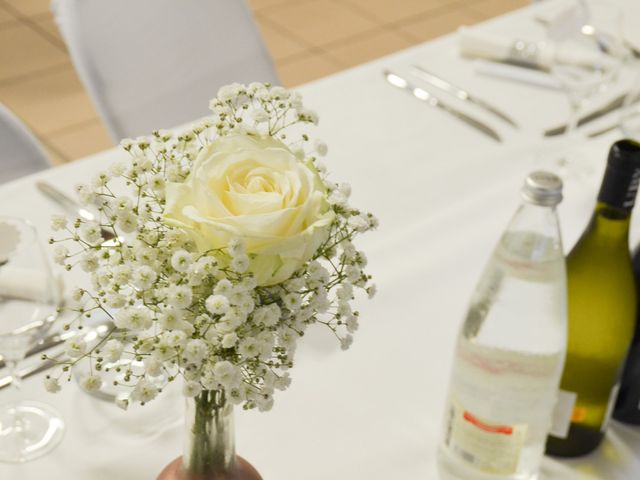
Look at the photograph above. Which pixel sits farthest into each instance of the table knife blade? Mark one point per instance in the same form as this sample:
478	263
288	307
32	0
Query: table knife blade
421	94
462	94
615	104
34	369
70	206
99	330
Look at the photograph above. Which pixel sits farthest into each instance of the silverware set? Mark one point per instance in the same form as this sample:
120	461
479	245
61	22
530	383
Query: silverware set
444	86
52	342
49	344
423	95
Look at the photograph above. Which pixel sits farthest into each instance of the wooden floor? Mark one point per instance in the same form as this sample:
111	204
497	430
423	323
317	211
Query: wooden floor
38	82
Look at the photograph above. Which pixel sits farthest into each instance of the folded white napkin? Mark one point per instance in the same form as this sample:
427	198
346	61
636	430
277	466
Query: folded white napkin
27	284
478	43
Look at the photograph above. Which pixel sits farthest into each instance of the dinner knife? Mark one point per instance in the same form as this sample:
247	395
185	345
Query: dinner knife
33	369
70	206
421	94
50	341
464	95
614	104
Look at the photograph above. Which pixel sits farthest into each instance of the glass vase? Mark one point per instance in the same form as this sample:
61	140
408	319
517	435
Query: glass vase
209	449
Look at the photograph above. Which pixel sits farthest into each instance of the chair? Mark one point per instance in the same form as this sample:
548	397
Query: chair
21	153
150	64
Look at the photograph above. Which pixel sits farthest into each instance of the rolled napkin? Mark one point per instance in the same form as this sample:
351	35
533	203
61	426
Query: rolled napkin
477	43
27	284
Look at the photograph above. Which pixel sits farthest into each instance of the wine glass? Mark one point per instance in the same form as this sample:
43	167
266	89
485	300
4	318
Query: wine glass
589	55
28	301
630	112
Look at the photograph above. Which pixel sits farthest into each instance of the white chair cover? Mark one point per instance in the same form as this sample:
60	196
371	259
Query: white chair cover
20	151
150	64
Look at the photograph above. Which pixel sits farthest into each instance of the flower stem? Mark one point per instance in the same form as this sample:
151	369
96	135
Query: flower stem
210	445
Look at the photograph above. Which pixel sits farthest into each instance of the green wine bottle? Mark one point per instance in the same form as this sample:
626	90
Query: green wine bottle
601	309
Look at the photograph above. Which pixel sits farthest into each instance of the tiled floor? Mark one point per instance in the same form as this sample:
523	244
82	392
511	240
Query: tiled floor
38	82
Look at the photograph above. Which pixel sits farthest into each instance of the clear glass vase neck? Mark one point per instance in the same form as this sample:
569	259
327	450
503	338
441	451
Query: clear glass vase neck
209	437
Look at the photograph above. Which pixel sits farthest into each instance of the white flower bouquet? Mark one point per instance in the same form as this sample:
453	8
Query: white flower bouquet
230	244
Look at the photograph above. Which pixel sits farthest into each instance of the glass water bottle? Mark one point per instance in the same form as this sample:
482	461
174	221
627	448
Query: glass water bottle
510	349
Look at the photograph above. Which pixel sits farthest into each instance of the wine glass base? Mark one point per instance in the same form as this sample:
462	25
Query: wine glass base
28	430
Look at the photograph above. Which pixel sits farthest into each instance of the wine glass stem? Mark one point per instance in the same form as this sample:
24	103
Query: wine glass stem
16	384
574	116
16	379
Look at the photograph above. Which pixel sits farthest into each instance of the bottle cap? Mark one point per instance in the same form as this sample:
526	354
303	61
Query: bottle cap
542	188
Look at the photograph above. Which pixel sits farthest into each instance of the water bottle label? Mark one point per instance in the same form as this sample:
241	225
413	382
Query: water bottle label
562	414
491	447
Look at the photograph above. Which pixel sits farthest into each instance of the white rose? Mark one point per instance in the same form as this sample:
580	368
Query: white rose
255	189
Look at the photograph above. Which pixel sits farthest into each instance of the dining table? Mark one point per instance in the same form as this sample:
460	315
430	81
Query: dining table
443	193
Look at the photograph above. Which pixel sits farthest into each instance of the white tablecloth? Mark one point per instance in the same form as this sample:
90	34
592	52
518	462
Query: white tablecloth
443	193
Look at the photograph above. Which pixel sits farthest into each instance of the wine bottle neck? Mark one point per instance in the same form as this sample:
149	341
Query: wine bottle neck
619	187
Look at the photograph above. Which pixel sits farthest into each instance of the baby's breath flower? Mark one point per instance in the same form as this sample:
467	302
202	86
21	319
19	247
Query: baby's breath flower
153	365
144	391
117	169
358	223
122	274
59	222
346	341
51	385
320	147
91	383
191	389
352	323
112	350
90	262
223	287
229	340
115	300
122	204
195	351
292	301
122	402
240	263
249	348
77	294
75	347
226	373
134	318
60	254
85	194
157	183
90	232
144	277
217	304
127	222
181	260
236	247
